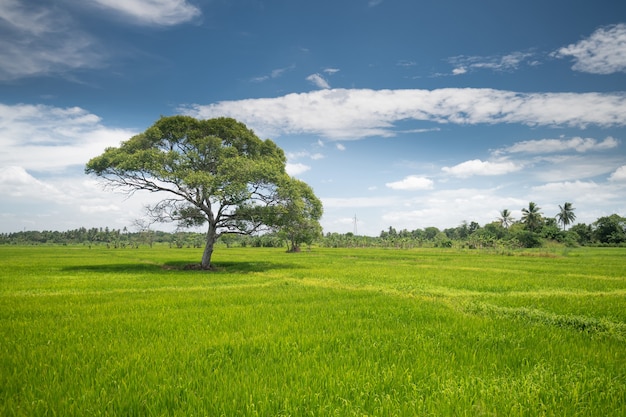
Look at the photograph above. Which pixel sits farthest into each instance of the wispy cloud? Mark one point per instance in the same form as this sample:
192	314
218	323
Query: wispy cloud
40	41
154	12
604	52
545	146
509	62
276	73
358	113
318	80
412	182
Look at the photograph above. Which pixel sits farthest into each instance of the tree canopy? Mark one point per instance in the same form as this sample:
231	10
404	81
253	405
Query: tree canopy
214	171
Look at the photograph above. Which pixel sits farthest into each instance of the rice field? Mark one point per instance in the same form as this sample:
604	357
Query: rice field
340	332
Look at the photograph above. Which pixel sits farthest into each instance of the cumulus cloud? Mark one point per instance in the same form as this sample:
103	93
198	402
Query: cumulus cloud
357	113
154	12
412	182
46	138
604	52
619	174
578	144
478	167
318	80
40	41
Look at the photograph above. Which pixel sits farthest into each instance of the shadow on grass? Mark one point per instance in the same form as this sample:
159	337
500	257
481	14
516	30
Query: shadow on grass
240	267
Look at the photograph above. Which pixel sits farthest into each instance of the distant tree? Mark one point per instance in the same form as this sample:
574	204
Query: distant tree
583	233
506	218
610	229
531	217
430	232
566	215
213	171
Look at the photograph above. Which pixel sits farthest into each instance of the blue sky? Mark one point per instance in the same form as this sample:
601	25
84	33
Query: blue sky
402	113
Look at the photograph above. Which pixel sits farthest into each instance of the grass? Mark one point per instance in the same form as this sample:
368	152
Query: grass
428	332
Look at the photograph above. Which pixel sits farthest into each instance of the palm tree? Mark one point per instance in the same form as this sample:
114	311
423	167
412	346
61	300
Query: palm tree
505	218
566	215
531	216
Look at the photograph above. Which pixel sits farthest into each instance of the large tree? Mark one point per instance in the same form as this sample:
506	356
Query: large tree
566	214
213	171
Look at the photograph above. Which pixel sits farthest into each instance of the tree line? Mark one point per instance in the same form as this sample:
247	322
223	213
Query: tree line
532	230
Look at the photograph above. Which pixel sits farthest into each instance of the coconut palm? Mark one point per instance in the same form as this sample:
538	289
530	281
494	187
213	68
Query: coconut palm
506	219
531	216
566	215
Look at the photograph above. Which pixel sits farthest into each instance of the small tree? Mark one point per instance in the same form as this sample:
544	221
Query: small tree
506	218
214	171
531	217
298	217
566	215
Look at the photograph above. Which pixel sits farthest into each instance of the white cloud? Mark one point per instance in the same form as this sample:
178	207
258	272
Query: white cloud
578	144
478	167
294	169
16	182
359	202
412	182
619	174
46	138
331	70
154	12
604	52
459	71
93	209
318	80
577	192
447	208
40	41
358	113
341	147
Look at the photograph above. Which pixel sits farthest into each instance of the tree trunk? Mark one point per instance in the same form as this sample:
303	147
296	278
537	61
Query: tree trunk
211	237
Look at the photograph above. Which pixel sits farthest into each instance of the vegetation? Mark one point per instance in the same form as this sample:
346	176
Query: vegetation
426	332
215	172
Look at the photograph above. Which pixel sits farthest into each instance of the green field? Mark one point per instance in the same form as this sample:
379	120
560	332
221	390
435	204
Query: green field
355	332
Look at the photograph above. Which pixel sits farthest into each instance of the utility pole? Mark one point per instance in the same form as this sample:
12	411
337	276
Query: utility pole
355	227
